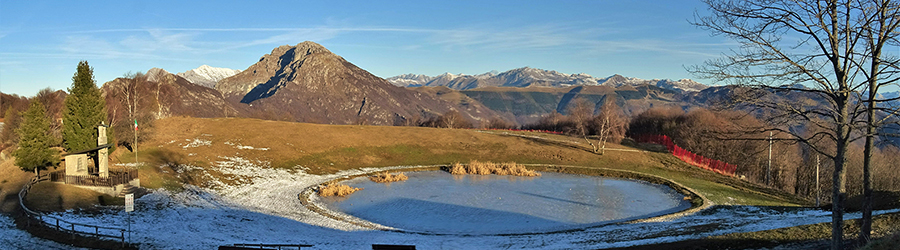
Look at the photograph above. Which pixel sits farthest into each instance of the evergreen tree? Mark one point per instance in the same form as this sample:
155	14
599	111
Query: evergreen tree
34	150
83	110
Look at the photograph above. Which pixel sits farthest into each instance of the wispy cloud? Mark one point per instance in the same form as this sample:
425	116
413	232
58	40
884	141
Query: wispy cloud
174	43
186	40
596	40
85	46
289	37
159	40
533	37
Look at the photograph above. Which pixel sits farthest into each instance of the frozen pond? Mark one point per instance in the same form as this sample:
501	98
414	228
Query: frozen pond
438	202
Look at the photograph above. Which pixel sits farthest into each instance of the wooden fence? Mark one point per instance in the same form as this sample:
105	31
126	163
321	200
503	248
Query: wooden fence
61	225
116	177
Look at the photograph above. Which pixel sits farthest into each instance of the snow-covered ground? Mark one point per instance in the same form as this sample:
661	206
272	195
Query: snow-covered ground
265	209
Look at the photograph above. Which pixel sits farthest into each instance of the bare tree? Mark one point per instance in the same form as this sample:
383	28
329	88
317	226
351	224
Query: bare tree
612	124
162	81
816	66
581	112
497	123
453	119
883	70
126	95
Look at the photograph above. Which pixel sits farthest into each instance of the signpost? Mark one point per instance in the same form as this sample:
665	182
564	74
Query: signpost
129	206
129	202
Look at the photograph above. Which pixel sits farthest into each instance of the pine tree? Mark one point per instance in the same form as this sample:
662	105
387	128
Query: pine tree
84	109
34	150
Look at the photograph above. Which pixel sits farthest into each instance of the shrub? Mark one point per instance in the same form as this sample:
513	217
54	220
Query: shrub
337	190
388	177
486	168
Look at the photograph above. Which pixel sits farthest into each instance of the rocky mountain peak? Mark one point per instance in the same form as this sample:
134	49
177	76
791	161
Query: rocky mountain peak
282	62
307	82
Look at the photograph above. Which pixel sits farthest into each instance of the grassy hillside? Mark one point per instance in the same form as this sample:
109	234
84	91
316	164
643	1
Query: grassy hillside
182	144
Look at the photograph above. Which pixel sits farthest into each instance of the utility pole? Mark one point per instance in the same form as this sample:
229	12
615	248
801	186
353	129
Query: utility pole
134	116
769	167
817	180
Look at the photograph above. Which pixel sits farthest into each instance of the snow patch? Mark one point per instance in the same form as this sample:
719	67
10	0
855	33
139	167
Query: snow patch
196	143
239	146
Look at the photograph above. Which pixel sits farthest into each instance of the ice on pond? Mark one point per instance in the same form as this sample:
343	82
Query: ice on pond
438	202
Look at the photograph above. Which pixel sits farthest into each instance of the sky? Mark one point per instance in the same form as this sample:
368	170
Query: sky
41	42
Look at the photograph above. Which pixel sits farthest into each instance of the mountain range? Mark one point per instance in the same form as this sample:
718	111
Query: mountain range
305	83
308	83
532	77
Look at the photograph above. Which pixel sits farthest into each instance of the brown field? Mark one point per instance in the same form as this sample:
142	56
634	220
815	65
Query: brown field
388	177
337	190
486	168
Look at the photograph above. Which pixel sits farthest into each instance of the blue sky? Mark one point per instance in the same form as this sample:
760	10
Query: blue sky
42	42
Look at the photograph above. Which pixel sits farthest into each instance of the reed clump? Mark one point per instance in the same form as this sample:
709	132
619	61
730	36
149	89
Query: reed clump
388	177
337	190
486	168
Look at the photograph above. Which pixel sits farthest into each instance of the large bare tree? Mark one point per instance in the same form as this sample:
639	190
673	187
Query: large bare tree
801	60
611	124
882	31
581	111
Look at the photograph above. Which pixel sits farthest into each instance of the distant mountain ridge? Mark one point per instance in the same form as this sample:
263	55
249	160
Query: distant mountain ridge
207	76
532	77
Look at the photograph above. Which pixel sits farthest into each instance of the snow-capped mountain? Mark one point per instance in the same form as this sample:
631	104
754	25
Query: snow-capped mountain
526	77
409	80
418	80
683	84
207	76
